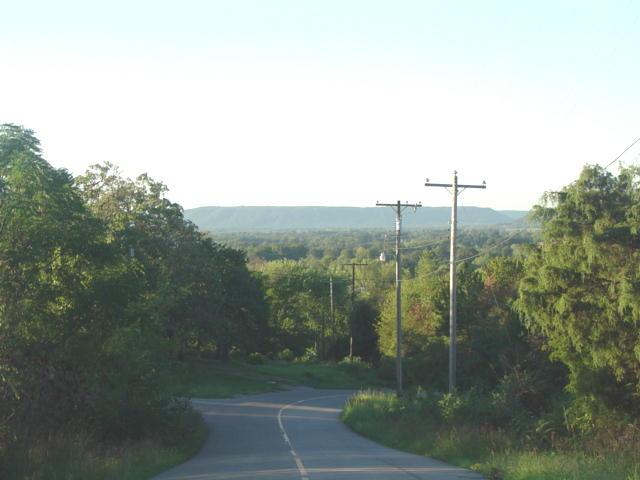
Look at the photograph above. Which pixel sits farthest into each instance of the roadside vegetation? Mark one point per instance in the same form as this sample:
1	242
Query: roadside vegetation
76	454
346	374
503	442
114	309
103	285
549	357
207	378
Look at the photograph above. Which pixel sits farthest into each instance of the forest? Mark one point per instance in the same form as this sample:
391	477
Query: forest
279	219
104	283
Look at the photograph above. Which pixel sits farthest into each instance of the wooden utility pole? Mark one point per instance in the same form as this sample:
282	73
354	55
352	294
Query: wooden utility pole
455	190
353	266
332	319
398	207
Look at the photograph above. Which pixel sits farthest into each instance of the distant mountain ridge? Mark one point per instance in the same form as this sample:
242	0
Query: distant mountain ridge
240	219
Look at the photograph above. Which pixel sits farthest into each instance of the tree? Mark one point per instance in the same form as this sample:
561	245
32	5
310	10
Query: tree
198	292
365	338
300	307
424	300
100	279
62	288
581	289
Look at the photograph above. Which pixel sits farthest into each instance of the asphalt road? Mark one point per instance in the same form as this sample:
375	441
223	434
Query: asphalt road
296	435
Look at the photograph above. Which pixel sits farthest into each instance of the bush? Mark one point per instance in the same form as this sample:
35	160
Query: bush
351	361
235	355
285	355
387	369
127	398
428	367
256	358
310	356
422	424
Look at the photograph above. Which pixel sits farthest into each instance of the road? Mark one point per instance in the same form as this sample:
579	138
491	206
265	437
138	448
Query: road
296	435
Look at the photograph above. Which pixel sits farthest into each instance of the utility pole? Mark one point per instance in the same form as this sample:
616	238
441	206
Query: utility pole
398	207
353	266
333	322
455	190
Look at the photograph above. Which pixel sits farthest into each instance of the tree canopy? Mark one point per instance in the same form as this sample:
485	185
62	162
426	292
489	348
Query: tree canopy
581	289
102	280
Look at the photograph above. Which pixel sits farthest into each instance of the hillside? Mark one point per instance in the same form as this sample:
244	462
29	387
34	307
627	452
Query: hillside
309	218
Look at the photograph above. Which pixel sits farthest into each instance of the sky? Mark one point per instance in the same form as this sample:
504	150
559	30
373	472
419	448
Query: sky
299	102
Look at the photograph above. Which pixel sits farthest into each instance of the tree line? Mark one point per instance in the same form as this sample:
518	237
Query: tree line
102	283
548	315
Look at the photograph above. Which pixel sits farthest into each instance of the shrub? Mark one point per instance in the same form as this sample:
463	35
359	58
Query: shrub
285	355
387	369
428	367
351	361
236	355
309	356
255	358
454	408
127	399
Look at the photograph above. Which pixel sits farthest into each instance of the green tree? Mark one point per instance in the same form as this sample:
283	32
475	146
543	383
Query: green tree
581	290
365	338
492	341
199	293
300	307
63	289
424	303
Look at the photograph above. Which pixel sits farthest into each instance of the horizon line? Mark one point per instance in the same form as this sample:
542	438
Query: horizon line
350	206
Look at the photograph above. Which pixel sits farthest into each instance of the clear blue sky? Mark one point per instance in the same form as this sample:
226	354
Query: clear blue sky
327	102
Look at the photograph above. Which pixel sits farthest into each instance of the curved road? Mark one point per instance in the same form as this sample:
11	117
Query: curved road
297	435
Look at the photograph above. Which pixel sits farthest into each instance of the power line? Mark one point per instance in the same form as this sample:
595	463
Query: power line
440	264
623	152
488	249
353	266
415	247
455	189
435	242
399	207
302	276
461	232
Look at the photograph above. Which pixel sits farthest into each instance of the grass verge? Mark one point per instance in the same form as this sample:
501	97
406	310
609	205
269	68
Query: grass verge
215	379
76	456
323	375
496	453
195	378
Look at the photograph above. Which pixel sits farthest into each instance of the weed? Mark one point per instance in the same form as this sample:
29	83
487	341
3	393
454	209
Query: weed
434	425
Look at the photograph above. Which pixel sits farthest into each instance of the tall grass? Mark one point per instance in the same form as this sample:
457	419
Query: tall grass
76	455
199	378
342	375
498	453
